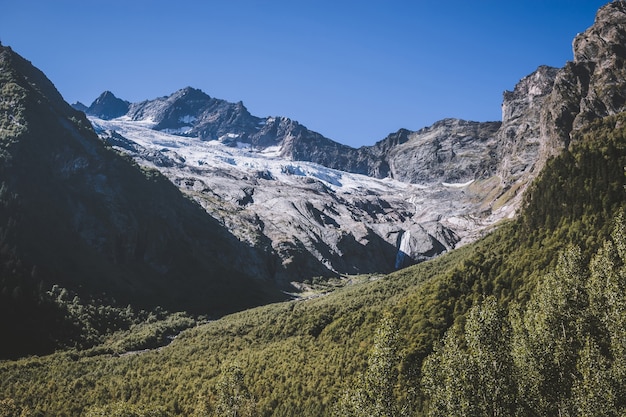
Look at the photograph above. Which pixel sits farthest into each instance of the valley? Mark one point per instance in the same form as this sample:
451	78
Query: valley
182	257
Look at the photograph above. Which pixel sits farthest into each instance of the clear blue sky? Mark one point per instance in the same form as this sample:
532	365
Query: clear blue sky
351	70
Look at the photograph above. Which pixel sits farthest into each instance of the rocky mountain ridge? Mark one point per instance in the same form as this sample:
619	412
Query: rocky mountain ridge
593	84
192	113
309	220
77	214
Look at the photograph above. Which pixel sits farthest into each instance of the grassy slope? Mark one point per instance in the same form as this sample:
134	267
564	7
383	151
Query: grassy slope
295	355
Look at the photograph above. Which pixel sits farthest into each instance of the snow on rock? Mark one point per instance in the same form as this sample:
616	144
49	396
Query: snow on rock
310	220
461	185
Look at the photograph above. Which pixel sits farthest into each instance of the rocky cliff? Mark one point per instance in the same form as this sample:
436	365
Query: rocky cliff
593	85
451	150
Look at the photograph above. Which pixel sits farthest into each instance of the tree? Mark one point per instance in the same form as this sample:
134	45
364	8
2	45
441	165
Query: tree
8	408
605	358
446	378
593	392
548	336
470	374
373	394
125	409
488	338
233	397
562	354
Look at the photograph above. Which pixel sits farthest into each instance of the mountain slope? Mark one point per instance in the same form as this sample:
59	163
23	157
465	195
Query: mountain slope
298	357
310	219
240	167
459	178
77	214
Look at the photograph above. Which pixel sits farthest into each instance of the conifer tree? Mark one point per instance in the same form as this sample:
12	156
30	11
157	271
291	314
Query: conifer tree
446	379
233	397
488	338
605	359
470	374
374	393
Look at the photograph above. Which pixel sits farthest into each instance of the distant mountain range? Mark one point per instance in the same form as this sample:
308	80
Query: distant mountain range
192	113
320	208
282	187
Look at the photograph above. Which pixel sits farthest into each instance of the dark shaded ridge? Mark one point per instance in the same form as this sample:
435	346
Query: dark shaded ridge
75	213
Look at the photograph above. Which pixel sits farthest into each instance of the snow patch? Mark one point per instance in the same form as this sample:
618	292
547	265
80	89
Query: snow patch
183	130
228	136
215	154
456	185
187	119
271	151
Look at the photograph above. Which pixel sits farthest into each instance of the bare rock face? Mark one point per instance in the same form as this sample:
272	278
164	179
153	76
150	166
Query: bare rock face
603	49
451	150
594	84
519	138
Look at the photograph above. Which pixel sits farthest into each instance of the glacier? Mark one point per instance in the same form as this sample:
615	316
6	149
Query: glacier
306	219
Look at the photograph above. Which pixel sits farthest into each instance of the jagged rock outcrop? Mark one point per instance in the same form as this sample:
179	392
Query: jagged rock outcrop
451	150
191	112
593	85
106	106
520	136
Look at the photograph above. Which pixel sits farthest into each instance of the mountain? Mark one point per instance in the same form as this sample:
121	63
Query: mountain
107	106
444	185
407	198
308	219
311	220
552	277
77	214
192	113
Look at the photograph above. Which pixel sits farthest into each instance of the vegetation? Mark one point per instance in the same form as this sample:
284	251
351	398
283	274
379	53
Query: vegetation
563	353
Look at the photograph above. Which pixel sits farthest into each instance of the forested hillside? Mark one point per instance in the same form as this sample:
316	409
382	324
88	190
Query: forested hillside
541	297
